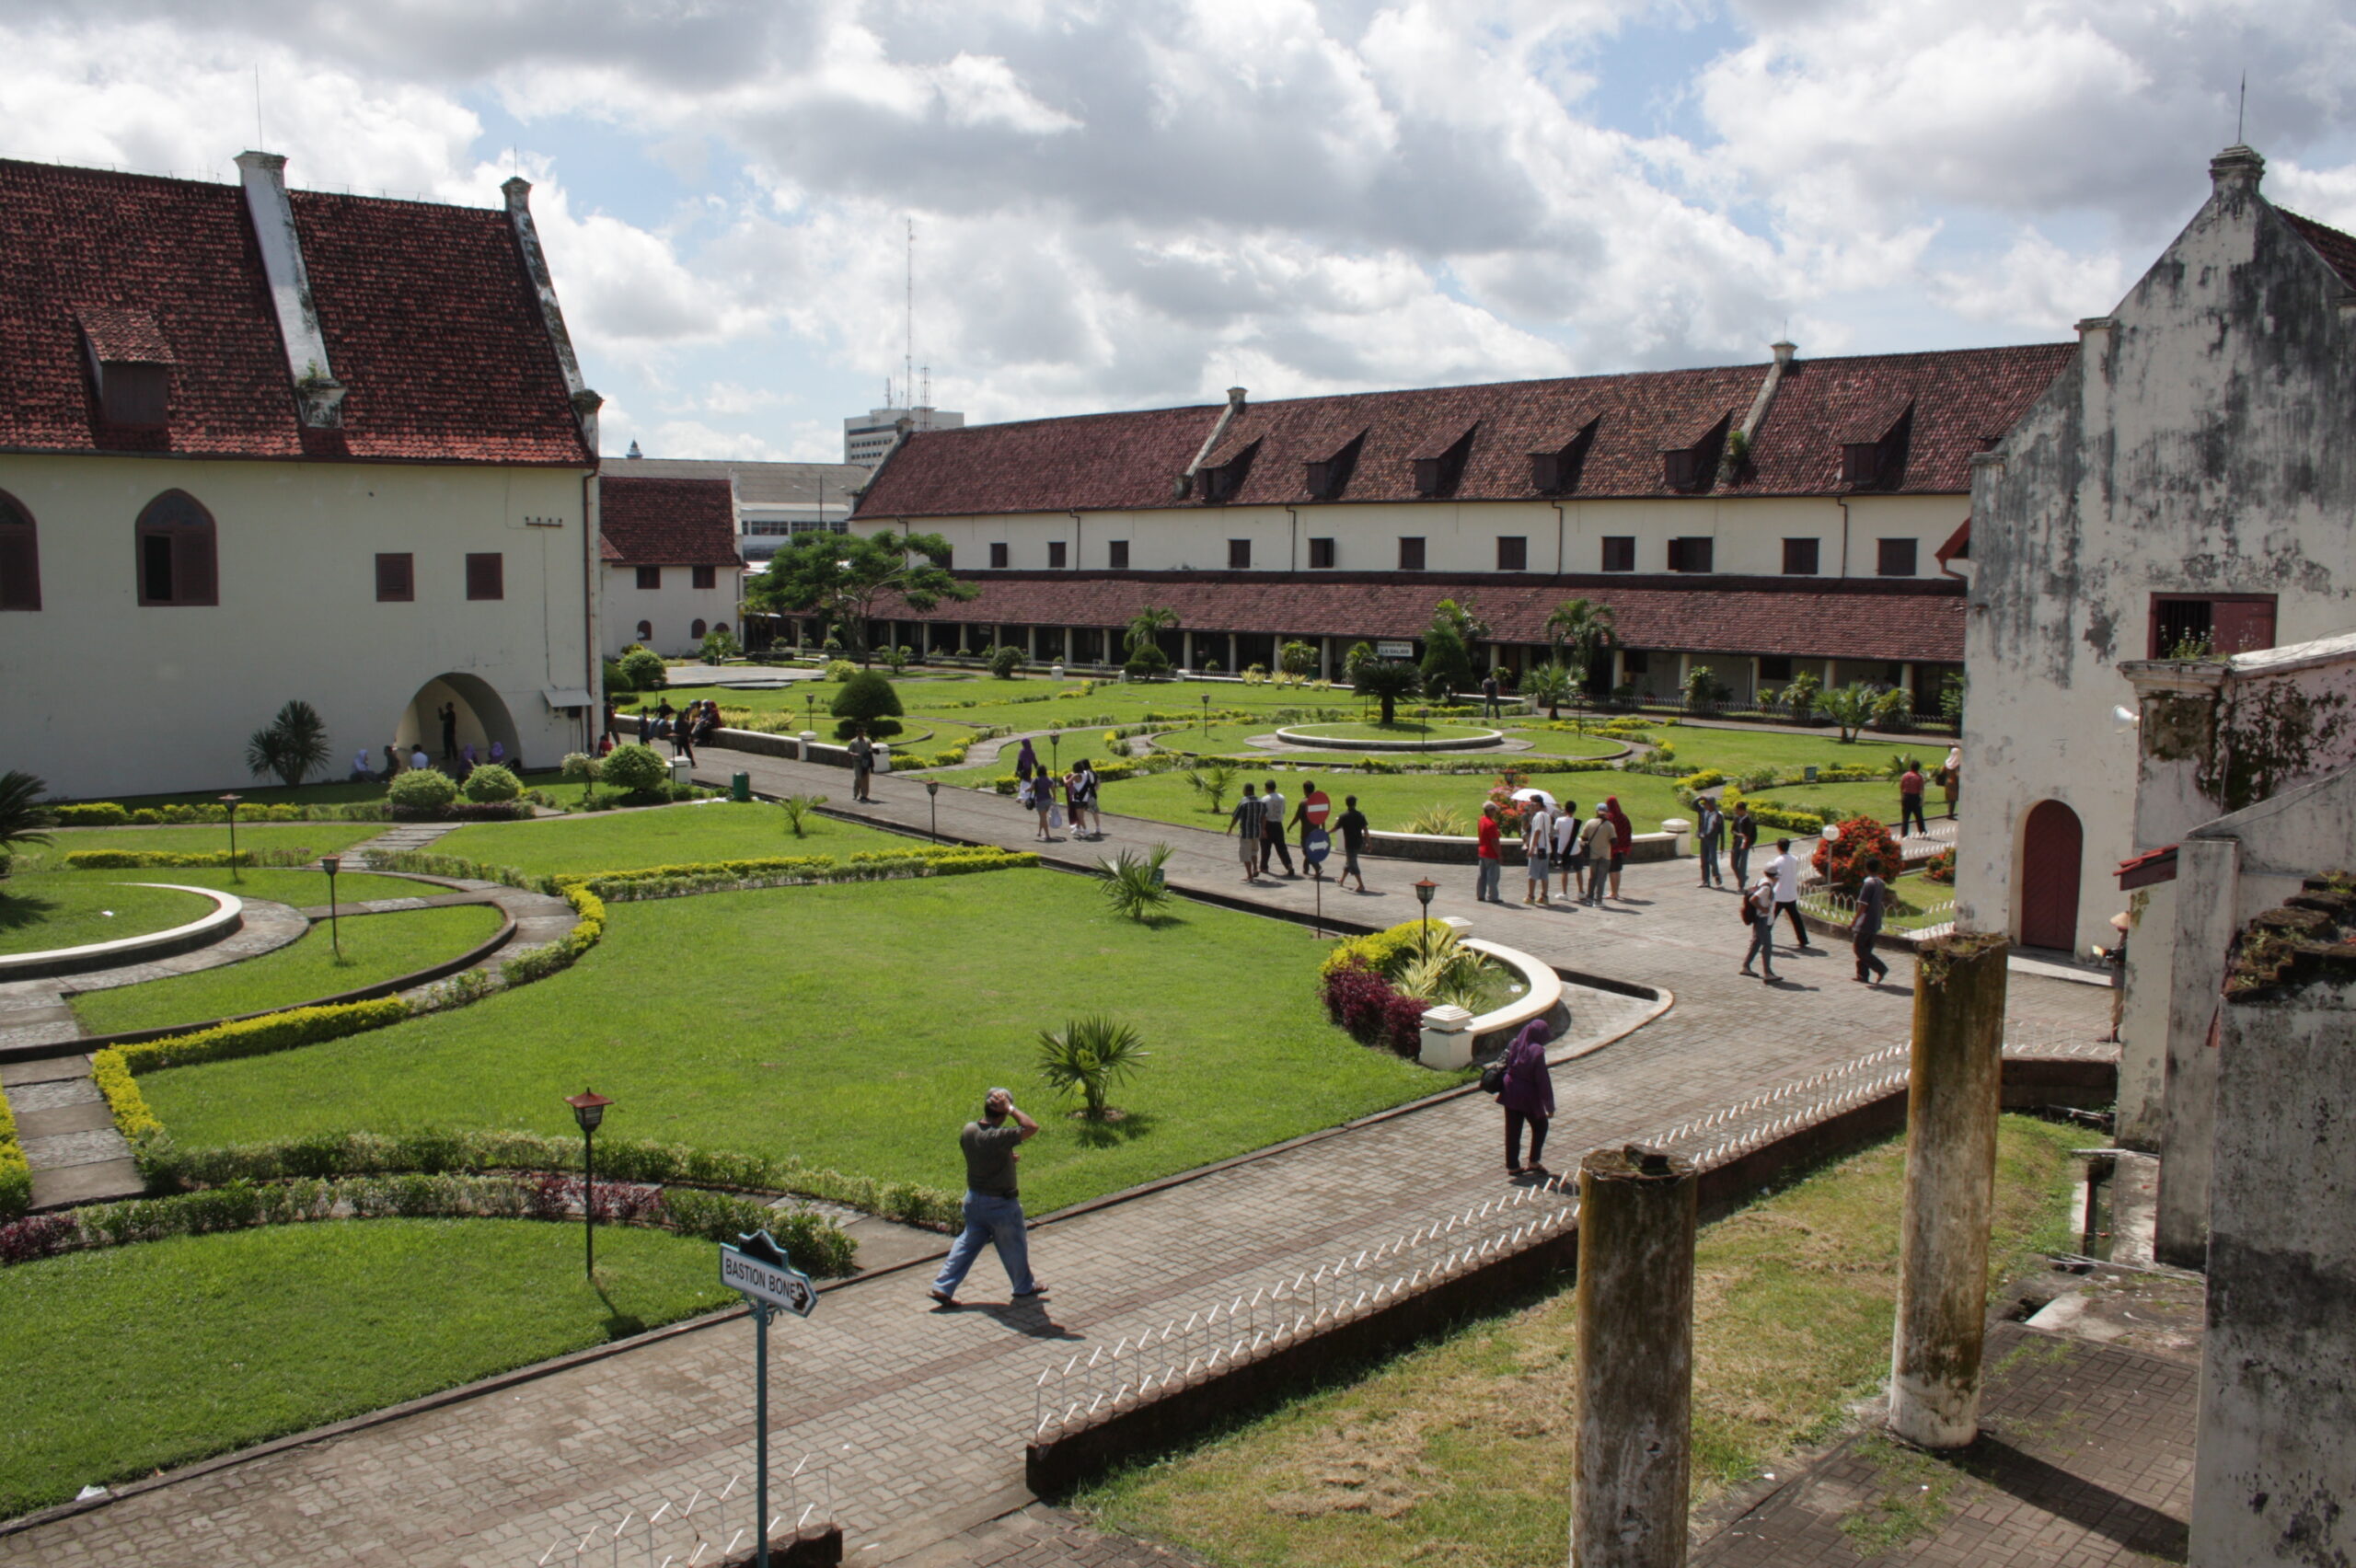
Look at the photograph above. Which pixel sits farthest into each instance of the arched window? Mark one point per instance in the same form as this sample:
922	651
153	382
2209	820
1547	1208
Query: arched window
19	557
175	552
646	632
696	631
722	628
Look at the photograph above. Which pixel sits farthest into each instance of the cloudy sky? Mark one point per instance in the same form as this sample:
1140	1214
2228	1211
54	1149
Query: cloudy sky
1125	205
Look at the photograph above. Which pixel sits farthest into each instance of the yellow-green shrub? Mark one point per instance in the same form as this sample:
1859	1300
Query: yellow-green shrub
261	1036
129	1107
15	1176
1385	952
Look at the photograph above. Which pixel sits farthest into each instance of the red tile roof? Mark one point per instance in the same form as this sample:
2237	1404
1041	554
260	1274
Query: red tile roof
1774	616
429	317
1962	400
2337	248
124	337
666	522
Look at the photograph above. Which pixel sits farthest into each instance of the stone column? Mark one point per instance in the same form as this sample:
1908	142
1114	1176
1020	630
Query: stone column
1954	1092
2208	893
1630	1468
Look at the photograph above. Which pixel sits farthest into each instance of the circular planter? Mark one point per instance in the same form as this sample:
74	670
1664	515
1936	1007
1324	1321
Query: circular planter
1463	740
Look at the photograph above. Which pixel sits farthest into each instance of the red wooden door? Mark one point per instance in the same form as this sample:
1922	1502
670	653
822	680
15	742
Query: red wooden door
2050	850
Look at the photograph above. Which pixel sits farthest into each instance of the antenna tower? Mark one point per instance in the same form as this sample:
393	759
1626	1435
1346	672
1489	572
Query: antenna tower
908	329
924	399
2241	112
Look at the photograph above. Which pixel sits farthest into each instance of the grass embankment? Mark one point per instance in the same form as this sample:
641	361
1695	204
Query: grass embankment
212	838
855	1027
334	793
1461	1450
376	948
40	913
665	836
129	1359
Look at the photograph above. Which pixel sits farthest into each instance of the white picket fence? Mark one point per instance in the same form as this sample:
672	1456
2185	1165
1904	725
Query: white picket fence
709	1525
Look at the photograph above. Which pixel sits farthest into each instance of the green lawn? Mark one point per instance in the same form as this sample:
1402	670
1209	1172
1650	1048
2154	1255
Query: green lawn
128	1360
38	913
855	1026
376	948
1732	751
1461	1451
334	793
662	835
307	837
989	701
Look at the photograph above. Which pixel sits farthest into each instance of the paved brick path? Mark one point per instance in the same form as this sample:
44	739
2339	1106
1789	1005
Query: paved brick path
924	1413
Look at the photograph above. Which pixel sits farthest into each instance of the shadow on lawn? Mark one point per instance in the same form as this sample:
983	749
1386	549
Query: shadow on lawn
19	910
619	1325
1132	1126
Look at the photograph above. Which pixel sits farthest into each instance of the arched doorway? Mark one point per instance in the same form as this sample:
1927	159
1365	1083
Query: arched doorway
482	718
2051	845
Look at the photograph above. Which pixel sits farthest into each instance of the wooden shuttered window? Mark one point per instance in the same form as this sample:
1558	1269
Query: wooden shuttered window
176	543
396	579
487	575
1513	552
703	576
1619	552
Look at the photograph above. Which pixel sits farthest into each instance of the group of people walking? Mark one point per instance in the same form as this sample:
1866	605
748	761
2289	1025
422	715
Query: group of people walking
1582	856
1057	801
1260	825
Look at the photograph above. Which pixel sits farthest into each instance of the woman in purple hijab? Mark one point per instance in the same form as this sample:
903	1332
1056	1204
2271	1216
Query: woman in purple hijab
1026	761
1528	1096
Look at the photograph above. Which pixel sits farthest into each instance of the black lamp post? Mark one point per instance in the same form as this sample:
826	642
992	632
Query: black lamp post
229	803
1206	716
1424	891
589	1109
932	798
332	864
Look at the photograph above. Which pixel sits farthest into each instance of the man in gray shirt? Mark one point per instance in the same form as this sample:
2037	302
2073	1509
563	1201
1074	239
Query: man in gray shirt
993	1203
1873	900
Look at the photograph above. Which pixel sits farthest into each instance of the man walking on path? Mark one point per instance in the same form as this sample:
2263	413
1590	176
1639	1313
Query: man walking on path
1489	691
1272	830
1595	843
1489	857
1301	820
993	1202
1352	825
1245	822
1759	914
449	731
1537	845
1568	861
1707	836
1785	868
1909	799
862	765
1742	831
1873	897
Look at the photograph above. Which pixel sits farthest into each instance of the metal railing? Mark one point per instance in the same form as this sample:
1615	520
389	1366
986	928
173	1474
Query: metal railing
710	1526
1250	1325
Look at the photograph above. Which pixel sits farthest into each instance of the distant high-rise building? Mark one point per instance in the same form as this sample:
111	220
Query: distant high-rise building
865	440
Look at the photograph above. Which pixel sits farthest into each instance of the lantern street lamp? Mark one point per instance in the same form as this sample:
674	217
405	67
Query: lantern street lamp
229	803
332	864
1424	891
932	795
589	1109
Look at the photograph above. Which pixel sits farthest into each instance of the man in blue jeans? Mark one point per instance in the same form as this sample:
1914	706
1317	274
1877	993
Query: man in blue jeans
993	1205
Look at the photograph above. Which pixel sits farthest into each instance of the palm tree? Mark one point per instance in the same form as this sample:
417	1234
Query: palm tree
1549	684
22	817
1147	624
293	746
1386	681
1583	626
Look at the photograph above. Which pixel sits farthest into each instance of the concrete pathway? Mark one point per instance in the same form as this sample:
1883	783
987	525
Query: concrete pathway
918	1417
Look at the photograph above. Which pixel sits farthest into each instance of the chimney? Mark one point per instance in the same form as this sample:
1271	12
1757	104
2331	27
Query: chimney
1184	484
317	394
585	403
1729	464
2236	171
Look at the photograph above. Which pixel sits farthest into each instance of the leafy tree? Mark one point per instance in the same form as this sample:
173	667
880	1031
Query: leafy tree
1447	664
1360	655
584	767
635	770
294	745
1006	663
1296	658
1551	684
1386	681
1146	661
23	819
1146	626
1951	690
898	659
845	576
869	700
1465	619
1701	687
644	670
720	647
1803	695
1579	630
1090	1054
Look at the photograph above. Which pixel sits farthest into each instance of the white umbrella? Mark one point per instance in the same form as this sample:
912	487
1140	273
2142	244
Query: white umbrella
1538	795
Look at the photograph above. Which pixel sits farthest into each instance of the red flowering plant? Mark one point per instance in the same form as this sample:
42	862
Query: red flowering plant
1372	1010
1941	868
1841	854
1510	810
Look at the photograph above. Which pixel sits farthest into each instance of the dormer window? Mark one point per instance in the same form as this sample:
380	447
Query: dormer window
131	366
1555	470
1691	463
1326	477
1873	446
1223	480
1440	464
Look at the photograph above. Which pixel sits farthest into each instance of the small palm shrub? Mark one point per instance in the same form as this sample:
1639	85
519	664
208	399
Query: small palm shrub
23	819
1442	820
1451	972
1090	1054
293	746
492	782
798	810
1212	780
1134	884
423	790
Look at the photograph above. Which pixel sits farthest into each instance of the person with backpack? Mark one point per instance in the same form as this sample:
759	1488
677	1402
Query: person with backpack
1759	918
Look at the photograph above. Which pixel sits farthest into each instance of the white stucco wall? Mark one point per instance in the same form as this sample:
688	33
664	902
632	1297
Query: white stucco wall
1461	537
2192	449
673	609
108	698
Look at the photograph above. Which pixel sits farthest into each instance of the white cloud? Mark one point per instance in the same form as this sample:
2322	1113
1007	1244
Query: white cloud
2035	284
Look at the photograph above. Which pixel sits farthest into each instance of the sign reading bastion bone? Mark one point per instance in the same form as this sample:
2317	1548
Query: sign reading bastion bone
759	1270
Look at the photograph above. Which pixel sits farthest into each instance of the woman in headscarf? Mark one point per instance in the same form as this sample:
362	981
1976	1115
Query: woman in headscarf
1623	838
1026	763
1951	778
1528	1096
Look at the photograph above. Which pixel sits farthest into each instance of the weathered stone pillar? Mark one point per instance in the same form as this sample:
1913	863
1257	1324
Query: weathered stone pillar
1952	1098
1630	1469
2208	895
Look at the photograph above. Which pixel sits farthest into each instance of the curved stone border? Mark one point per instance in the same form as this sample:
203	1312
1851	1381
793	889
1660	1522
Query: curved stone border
1450	849
1480	740
1544	991
226	917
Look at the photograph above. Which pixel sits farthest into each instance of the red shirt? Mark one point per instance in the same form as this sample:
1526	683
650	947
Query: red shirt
1910	783
1489	834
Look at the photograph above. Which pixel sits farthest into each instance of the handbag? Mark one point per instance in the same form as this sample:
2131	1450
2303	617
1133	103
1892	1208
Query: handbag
1749	912
1492	1078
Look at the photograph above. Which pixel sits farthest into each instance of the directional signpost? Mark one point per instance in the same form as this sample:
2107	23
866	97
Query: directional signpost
758	1269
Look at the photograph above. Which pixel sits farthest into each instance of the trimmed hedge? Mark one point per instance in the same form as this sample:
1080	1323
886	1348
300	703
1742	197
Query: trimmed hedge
15	1176
704	876
168	1167
106	813
818	1245
261	1036
139	860
562	954
124	1102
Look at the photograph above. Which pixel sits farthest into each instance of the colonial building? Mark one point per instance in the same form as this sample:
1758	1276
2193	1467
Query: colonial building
2184	489
258	445
773	501
1763	520
672	573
